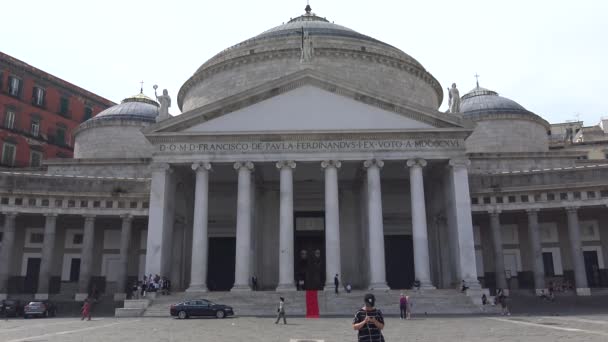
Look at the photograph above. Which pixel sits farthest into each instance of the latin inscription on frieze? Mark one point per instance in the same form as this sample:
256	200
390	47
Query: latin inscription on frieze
312	146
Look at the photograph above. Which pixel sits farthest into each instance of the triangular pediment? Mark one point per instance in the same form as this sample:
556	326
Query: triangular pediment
304	102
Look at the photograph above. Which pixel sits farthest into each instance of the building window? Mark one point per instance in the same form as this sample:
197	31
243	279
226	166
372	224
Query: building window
9	119
487	200
88	113
35	158
577	195
31	202
512	199
133	205
77	239
548	264
590	194
8	154
474	200
35	128
84	204
18	201
563	196
550	197
36	238
525	198
64	106
45	202
14	86
38	96
60	136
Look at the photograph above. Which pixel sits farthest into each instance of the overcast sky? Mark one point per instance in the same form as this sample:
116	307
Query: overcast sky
551	56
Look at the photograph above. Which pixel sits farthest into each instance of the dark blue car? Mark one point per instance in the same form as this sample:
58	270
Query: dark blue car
200	307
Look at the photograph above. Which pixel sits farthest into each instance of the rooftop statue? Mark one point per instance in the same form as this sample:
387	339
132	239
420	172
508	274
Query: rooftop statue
165	103
307	47
454	102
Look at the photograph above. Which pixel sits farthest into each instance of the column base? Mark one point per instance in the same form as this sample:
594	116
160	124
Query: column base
378	287
539	292
286	288
80	297
119	297
427	286
197	288
583	291
3	296
472	284
41	296
240	288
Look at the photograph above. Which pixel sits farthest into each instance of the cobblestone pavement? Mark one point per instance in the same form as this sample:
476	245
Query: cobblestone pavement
460	329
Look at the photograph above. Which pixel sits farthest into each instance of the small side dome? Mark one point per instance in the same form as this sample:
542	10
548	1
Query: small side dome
502	125
116	131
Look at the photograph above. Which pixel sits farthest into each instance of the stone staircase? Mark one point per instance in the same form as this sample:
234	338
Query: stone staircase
264	303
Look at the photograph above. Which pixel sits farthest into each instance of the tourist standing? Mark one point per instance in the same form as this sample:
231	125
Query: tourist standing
281	311
86	309
402	306
336	283
408	307
254	282
369	321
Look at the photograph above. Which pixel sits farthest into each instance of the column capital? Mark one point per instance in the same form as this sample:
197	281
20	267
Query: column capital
89	217
11	214
331	163
532	211
571	209
290	164
494	212
51	215
459	162
243	165
161	167
126	217
416	162
373	162
202	166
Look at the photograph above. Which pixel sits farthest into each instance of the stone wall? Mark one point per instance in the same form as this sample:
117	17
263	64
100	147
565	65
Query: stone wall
508	136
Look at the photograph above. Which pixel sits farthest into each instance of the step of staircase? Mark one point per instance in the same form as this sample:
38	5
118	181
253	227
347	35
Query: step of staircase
264	303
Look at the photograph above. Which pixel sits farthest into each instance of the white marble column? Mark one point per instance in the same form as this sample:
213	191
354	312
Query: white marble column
48	246
286	276
243	227
125	243
332	223
377	262
420	238
537	251
499	259
160	221
6	252
200	237
574	233
86	258
462	222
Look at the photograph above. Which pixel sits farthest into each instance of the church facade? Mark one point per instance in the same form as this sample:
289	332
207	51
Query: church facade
306	152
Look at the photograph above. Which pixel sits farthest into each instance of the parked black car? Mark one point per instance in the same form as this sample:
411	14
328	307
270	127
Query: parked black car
200	307
12	308
40	308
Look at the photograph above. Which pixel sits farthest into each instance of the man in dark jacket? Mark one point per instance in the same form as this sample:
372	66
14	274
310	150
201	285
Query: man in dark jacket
336	283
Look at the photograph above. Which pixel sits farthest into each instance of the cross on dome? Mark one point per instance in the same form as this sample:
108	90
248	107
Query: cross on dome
477	79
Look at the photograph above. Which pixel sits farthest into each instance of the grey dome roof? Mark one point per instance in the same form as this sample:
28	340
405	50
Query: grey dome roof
136	108
316	26
481	100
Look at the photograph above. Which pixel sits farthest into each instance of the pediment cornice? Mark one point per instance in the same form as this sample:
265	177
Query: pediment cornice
296	80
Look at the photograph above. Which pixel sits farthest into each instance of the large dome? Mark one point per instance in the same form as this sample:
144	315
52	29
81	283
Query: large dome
501	124
343	54
117	131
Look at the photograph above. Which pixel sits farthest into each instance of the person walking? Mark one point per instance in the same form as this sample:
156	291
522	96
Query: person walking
86	309
408	307
369	321
403	306
336	283
281	311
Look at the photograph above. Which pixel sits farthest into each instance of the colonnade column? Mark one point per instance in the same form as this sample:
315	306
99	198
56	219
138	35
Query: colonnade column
332	223
422	266
48	246
123	268
200	238
461	222
160	220
86	258
286	273
377	263
574	232
499	259
6	252
537	251
243	227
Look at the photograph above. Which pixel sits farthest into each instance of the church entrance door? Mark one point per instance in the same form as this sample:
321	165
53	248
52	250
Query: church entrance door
222	256
399	256
309	241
